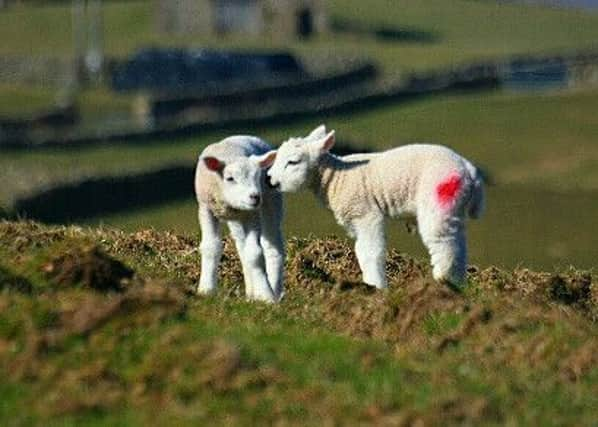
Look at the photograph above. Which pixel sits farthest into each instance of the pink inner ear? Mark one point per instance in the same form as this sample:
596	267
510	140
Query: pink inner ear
213	163
329	142
267	162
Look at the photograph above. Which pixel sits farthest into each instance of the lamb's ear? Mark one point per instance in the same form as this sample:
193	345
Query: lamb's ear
323	145
265	160
317	133
213	164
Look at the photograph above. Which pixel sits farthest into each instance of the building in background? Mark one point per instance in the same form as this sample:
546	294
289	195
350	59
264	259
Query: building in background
283	18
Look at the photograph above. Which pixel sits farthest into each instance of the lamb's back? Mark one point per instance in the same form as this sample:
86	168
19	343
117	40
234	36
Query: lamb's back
236	146
392	180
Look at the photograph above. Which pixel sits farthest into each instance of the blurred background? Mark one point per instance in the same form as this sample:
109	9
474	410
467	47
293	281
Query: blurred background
105	106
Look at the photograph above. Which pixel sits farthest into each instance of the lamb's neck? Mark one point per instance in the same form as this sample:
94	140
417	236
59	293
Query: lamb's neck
325	177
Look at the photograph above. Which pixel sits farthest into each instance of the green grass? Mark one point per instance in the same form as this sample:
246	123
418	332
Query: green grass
523	226
506	351
520	138
23	101
540	149
467	30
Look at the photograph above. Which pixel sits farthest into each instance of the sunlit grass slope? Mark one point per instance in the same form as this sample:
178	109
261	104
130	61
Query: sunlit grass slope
100	327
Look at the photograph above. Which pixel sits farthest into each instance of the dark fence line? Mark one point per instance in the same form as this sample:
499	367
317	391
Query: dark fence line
391	33
100	196
57	117
353	97
165	106
89	198
360	97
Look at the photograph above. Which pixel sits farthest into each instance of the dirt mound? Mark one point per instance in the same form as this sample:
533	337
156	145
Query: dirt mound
572	289
87	266
88	335
82	314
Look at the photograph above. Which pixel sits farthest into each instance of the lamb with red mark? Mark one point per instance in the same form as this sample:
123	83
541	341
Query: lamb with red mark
428	183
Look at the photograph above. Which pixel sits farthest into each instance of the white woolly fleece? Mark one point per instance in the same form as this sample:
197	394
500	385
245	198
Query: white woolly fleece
430	183
230	187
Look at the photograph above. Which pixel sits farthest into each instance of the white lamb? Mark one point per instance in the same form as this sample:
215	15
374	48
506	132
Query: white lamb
430	183
229	185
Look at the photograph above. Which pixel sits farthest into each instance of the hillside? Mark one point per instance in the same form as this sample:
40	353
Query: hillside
101	326
456	32
539	147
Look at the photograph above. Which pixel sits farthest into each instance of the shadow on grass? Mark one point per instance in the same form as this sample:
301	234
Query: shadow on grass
110	194
385	32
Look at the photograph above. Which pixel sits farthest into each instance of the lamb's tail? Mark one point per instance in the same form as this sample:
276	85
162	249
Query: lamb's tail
475	207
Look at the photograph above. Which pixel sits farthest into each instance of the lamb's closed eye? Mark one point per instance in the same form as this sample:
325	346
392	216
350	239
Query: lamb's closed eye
293	162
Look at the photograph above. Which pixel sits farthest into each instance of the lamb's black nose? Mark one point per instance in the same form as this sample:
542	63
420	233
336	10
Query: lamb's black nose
255	198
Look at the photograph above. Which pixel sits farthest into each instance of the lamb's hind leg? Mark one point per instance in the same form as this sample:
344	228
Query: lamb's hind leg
211	250
370	248
444	237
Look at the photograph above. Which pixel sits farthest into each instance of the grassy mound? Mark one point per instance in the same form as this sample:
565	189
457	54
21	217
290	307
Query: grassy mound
102	326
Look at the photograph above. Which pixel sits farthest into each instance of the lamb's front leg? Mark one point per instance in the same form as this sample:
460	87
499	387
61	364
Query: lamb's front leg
247	236
272	242
211	250
370	248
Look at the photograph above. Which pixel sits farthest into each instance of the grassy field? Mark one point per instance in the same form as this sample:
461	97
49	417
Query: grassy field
464	31
544	140
523	227
540	149
99	327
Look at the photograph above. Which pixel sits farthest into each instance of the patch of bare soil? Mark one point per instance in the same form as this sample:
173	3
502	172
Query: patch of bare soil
87	266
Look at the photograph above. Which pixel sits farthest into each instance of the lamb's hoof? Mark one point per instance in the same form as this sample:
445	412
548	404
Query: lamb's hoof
280	296
269	299
204	290
458	287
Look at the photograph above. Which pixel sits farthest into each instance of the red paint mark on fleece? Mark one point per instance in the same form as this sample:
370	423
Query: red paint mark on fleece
448	189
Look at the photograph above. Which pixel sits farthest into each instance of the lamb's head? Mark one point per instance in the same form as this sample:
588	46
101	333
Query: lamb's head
241	179
296	159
